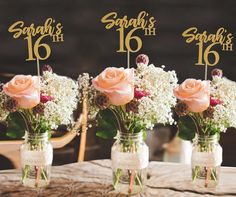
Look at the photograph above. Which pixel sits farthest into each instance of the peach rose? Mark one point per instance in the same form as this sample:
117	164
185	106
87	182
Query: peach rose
25	89
117	84
195	93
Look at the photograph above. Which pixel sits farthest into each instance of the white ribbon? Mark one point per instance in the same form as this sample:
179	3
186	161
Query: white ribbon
36	158
130	161
210	159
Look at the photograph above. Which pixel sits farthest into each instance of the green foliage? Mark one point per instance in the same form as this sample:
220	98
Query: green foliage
15	125
40	125
144	135
107	124
211	129
187	128
136	126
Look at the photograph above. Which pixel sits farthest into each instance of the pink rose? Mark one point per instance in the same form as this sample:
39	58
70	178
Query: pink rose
195	93
25	89
117	84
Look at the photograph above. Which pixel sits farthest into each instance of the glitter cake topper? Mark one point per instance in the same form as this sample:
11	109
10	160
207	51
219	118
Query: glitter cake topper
34	35
206	54
127	28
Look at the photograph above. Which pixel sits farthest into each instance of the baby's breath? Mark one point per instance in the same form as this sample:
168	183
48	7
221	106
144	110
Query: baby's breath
156	108
225	113
3	112
65	97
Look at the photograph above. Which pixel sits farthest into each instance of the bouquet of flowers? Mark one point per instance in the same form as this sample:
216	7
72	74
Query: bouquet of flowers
209	107
126	103
32	106
206	108
130	100
37	104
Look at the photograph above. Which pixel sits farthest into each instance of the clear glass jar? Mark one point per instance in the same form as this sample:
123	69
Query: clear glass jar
130	157
36	160
206	161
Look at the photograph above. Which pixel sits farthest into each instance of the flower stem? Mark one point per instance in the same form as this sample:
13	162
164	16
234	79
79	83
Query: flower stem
44	175
117	119
37	175
25	172
25	120
139	181
195	123
117	174
131	183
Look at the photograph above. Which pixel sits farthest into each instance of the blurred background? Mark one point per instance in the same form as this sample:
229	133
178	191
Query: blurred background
89	47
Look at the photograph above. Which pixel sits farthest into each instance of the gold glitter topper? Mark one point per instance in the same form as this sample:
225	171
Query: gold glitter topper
35	35
127	27
206	54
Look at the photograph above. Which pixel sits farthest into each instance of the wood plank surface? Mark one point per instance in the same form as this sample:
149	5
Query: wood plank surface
93	179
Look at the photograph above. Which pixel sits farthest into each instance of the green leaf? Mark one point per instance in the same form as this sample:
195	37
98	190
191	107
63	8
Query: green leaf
41	124
107	124
105	134
138	126
187	128
144	135
15	126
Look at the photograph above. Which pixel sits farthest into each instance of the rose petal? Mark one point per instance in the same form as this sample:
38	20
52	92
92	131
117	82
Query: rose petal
25	89
195	93
117	84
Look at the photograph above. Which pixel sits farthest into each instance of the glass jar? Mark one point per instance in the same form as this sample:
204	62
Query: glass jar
36	160
130	157
206	161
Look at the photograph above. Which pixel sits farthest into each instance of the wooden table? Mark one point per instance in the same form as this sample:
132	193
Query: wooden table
93	179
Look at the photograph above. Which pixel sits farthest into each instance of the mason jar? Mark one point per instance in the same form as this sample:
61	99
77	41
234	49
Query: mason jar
206	161
36	160
130	157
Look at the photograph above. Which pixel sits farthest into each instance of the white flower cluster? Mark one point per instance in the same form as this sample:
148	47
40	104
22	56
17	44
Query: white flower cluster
64	92
156	107
3	113
85	87
225	113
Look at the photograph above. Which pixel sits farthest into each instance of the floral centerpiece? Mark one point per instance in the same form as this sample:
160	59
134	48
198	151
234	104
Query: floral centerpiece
126	103
32	106
206	108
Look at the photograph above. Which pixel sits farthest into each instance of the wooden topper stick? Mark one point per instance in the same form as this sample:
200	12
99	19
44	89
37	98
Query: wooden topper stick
84	130
37	168
38	67
128	59
206	72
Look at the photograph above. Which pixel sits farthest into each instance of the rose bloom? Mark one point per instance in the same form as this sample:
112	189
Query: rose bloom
117	84
25	89
195	93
